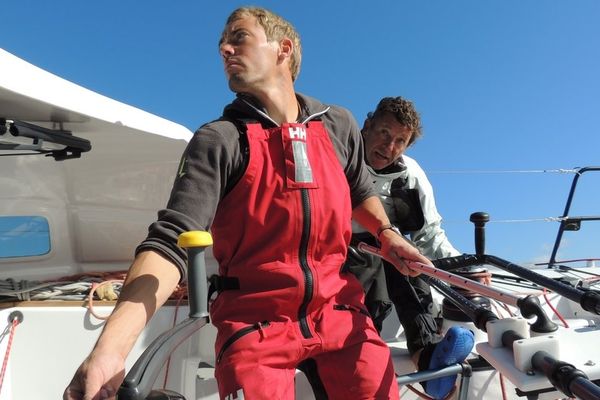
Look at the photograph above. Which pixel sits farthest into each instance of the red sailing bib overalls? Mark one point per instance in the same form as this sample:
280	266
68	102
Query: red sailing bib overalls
282	233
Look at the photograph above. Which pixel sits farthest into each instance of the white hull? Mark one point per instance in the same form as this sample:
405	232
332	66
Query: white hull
53	339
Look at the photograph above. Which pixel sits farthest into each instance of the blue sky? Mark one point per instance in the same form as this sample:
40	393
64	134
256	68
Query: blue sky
501	86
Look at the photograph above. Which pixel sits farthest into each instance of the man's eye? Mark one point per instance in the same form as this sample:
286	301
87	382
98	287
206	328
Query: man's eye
238	37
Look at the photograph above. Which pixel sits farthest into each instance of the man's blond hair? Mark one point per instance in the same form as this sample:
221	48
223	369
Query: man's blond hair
276	28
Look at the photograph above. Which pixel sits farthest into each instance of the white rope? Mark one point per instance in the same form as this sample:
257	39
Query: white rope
31	290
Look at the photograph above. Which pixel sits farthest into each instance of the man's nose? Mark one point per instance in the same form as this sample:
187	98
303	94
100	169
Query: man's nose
226	50
390	146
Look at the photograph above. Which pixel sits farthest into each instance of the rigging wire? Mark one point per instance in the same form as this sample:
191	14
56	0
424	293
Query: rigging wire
543	219
558	262
515	171
509	221
523	171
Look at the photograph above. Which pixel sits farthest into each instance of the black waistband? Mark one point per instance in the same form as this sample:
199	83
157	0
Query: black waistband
219	283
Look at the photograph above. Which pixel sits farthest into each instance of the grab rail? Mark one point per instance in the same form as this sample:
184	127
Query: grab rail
566	221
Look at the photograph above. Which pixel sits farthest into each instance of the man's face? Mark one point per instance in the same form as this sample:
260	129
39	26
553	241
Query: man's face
385	140
249	59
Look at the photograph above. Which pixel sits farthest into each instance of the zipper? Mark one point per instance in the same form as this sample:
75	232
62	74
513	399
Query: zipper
238	335
308	276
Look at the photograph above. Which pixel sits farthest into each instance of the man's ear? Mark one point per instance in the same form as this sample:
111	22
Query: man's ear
286	48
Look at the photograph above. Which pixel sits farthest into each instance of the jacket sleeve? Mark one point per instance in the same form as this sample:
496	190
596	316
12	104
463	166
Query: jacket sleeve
209	163
431	239
347	141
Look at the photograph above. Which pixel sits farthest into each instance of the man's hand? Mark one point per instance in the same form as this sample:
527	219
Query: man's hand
150	281
98	377
397	250
394	247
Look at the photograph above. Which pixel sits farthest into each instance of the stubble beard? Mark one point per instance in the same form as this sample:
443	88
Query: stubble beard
242	83
237	83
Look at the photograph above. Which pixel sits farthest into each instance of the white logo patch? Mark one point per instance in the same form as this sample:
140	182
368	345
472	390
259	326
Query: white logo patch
303	170
297	133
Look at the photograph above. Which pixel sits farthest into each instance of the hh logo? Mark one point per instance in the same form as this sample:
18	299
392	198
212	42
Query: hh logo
297	133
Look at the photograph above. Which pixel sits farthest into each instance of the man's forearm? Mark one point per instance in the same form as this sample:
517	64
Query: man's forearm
394	247
150	281
370	214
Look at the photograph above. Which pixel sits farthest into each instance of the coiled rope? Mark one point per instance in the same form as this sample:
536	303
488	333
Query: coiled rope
81	287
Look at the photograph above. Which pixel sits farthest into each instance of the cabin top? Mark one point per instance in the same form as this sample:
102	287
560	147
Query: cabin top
87	212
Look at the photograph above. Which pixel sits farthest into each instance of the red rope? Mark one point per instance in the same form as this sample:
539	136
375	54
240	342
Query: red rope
418	392
554	309
181	296
425	396
502	387
14	324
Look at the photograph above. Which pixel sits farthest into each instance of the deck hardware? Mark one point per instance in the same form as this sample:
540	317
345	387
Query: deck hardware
18	315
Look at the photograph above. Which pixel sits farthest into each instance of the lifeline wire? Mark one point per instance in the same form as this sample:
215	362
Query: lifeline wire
525	171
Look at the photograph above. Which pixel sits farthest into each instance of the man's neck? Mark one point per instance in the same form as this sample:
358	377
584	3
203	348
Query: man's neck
280	103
